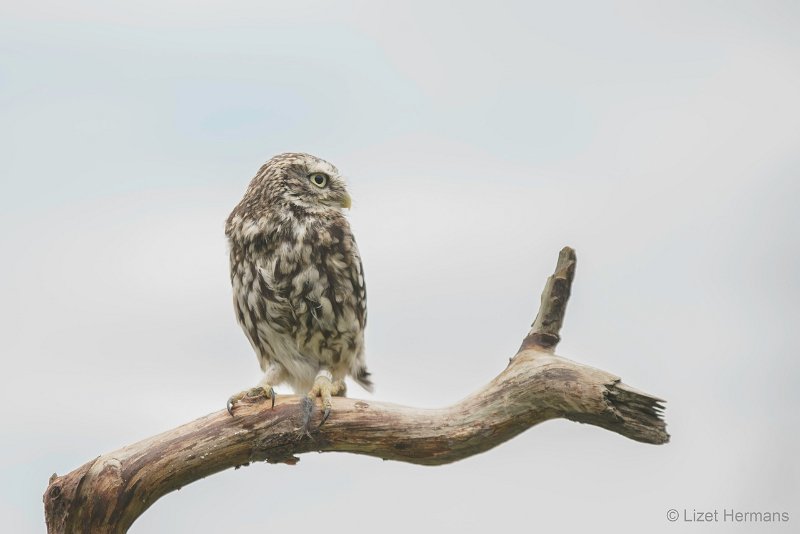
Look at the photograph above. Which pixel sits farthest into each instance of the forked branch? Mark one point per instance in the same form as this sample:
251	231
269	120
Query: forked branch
107	494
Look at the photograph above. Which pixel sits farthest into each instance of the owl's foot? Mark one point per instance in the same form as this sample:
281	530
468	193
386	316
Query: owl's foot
258	391
324	387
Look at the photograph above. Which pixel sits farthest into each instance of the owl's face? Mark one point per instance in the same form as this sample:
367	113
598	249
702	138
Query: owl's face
300	180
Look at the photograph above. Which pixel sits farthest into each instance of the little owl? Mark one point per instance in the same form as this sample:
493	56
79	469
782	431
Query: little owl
298	284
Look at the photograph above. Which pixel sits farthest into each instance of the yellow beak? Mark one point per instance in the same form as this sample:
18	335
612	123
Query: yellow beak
346	201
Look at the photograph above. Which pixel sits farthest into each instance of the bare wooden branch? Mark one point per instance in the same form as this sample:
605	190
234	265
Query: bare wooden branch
553	306
107	494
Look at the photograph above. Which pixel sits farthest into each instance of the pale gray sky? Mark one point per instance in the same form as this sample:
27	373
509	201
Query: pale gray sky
660	140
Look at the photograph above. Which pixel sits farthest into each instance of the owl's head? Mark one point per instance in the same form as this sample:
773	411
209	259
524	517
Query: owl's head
299	180
288	188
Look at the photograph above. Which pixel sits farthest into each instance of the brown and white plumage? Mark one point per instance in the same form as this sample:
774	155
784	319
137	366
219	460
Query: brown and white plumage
298	282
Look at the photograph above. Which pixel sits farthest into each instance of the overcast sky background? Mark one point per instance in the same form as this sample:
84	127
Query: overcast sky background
660	140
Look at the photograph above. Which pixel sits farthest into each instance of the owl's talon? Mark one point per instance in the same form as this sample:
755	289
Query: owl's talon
263	391
258	391
325	415
232	400
323	388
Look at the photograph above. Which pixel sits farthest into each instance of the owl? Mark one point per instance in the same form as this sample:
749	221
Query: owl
298	282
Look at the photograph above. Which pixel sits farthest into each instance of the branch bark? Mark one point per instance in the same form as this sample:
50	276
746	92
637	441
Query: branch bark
107	494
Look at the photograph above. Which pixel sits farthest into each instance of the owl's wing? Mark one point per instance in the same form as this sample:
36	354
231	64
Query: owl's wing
274	305
359	368
261	307
359	288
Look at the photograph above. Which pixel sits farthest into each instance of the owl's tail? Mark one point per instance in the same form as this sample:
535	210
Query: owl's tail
361	375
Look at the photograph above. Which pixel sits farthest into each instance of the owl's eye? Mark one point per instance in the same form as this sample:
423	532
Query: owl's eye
319	179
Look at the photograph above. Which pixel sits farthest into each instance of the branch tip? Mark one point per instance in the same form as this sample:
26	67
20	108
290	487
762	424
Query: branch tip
544	332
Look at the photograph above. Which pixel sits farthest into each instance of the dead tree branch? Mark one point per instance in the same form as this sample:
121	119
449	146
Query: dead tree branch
107	494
